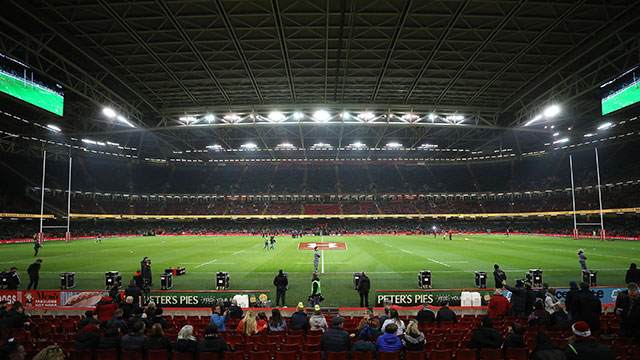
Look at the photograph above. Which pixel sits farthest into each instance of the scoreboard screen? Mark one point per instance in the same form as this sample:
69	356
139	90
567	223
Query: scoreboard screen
622	91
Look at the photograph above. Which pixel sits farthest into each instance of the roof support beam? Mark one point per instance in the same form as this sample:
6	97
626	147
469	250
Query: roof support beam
283	48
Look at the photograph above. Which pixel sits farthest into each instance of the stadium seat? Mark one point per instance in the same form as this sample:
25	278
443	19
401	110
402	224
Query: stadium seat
414	355
441	355
207	356
157	355
620	352
491	354
313	340
181	355
310	355
395	355
274	339
364	355
448	345
131	355
230	356
467	354
315	332
311	347
82	355
290	348
245	348
294	339
517	354
333	355
272	349
286	355
105	354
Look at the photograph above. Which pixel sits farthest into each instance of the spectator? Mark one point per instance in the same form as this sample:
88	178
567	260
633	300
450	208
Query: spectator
277	322
586	307
186	342
218	319
363	345
127	307
551	300
111	339
628	307
134	291
248	325
51	352
485	336
569	296
515	337
317	321
633	274
159	319
499	276
105	308
582	346
157	339
261	322
389	342
88	316
89	336
299	319
211	341
369	326
387	307
542	292
151	310
413	339
445	314
530	298
559	317
499	306
545	349
136	339
518	298
235	311
3	308
335	339
425	314
15	317
12	351
117	320
115	294
539	316
395	319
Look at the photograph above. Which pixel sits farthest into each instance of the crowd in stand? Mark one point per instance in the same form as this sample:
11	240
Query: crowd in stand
532	324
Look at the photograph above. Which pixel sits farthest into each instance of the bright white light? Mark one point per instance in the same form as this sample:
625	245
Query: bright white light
589	135
556	134
276	116
249	146
100	143
538	117
428	146
560	141
53	128
321	145
345	115
188	119
357	145
112	143
214	147
321	116
87	141
366	116
394	145
231	118
108	112
209	117
433	227
551	111
410	117
432	116
298	115
605	126
286	145
125	121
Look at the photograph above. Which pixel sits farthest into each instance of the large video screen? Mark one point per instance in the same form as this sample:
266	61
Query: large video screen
19	81
622	91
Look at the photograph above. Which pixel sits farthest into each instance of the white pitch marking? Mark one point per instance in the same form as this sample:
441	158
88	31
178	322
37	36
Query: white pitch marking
438	262
207	263
237	252
406	251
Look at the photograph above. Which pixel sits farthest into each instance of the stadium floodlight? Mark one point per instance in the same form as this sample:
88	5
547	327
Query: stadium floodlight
231	118
321	116
605	126
298	115
394	145
410	117
433	227
122	119
100	143
538	117
276	116
556	134
366	116
53	128
108	112
285	145
249	146
345	115
358	145
589	135
112	143
321	145
87	141
432	117
209	117
551	111
214	147
188	119
560	141
428	146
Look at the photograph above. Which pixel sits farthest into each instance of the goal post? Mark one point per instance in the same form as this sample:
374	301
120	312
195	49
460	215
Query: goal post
600	224
67	227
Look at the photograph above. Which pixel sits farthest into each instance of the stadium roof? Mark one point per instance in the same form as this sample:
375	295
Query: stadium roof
190	74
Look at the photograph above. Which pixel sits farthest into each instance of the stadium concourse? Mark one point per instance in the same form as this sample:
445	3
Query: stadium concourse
447	179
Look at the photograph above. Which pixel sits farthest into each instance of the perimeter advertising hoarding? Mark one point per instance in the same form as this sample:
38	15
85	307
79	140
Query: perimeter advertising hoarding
200	299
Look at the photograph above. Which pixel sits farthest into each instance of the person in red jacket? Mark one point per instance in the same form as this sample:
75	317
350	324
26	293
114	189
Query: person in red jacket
105	308
499	306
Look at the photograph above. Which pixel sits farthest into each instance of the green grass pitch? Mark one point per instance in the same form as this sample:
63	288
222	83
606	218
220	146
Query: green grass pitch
391	261
628	96
34	95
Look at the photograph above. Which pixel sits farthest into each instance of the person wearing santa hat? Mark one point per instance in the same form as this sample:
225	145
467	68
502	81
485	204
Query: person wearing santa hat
583	346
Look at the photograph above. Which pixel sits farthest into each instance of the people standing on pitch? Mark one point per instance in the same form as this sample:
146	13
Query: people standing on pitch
266	243
272	241
34	274
145	271
316	259
582	259
99	238
498	276
364	285
316	291
281	282
36	247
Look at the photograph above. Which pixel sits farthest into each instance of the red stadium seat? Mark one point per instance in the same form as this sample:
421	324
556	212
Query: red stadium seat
314	332
245	348
517	354
290	348
157	355
467	354
272	349
181	355
310	355
414	355
491	354
441	355
389	355
207	356
286	355
294	339
311	347
364	355
131	355
333	355
448	345
82	355
105	354
312	339
231	356
259	355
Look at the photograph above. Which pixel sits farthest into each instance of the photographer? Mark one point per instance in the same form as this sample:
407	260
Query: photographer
13	279
145	271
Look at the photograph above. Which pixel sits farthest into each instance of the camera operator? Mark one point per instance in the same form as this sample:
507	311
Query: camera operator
13	279
145	270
